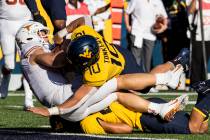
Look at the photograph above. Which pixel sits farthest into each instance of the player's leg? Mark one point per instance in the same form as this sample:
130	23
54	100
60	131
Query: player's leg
154	124
165	110
97	102
132	67
197	121
199	116
8	49
204	127
182	58
28	95
200	113
202	88
56	12
140	81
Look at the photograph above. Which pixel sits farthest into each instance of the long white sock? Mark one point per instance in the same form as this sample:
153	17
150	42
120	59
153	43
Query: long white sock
154	108
162	78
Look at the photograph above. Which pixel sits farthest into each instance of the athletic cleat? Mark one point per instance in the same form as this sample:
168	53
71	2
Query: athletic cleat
183	58
202	87
169	109
4	86
175	77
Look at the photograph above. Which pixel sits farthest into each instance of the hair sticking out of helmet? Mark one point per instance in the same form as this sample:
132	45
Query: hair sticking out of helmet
31	35
83	51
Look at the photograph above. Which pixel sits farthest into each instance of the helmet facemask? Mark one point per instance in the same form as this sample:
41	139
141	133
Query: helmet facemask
44	35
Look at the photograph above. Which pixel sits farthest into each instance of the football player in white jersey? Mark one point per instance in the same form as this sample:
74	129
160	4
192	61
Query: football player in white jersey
51	88
13	14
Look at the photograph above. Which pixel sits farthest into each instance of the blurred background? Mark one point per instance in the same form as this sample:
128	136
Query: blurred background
110	22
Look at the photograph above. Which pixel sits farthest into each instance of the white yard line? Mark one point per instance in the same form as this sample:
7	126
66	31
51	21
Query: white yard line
13	106
16	94
115	137
45	126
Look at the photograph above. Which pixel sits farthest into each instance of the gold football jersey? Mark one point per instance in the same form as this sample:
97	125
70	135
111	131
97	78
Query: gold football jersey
110	64
115	113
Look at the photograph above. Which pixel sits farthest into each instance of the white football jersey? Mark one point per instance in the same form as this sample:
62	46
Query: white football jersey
14	10
50	87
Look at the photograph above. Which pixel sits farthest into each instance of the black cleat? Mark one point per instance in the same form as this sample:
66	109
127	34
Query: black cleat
183	58
202	87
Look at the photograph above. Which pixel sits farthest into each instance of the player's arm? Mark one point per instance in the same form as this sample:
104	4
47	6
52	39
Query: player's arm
84	92
115	128
102	9
71	104
192	7
32	6
58	37
53	59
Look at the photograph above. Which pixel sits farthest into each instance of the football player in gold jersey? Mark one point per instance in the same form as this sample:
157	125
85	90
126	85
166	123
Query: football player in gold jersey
114	114
118	119
110	61
99	61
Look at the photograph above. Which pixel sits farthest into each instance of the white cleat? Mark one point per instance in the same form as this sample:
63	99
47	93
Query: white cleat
169	109
175	77
4	86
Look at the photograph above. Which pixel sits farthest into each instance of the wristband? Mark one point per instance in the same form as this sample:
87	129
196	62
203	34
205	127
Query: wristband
62	33
53	111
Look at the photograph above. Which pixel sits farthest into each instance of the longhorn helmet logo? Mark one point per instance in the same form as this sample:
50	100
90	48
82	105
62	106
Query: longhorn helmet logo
27	27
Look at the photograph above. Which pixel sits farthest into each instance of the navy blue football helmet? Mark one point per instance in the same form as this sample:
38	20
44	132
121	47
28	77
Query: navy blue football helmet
83	51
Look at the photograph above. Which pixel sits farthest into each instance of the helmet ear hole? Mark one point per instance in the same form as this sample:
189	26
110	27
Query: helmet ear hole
83	51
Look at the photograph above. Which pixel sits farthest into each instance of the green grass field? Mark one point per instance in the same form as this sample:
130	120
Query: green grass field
13	117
